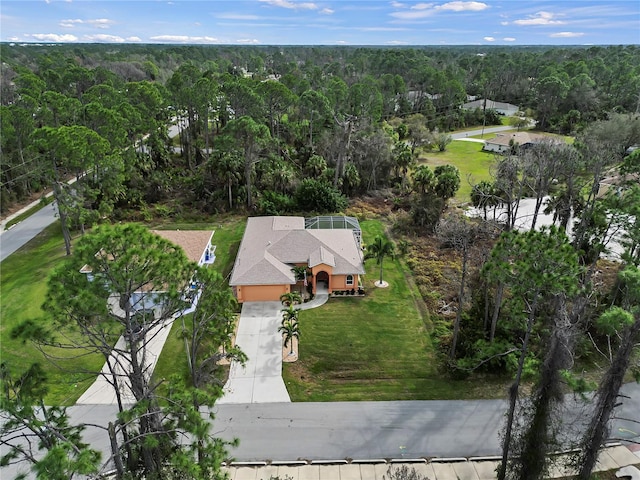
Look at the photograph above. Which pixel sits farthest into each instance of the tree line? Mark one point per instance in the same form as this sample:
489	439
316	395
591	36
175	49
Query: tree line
256	122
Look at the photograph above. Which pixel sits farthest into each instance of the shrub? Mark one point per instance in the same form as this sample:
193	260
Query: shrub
319	196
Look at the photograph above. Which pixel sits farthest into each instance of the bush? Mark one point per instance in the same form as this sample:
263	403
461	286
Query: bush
274	203
403	473
319	196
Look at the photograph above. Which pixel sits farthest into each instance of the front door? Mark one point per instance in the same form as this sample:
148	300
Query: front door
322	280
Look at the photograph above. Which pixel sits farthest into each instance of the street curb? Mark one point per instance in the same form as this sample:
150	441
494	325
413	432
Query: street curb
449	460
329	462
408	460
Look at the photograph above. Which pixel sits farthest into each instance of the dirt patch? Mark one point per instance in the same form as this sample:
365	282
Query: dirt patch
287	356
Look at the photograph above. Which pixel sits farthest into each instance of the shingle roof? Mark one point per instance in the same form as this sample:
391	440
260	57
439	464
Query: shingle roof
271	245
193	242
521	138
491	104
322	255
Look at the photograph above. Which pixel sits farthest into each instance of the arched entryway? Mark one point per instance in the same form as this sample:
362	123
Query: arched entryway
322	280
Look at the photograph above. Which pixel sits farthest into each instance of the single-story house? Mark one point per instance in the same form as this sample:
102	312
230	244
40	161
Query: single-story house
196	245
502	108
503	142
271	246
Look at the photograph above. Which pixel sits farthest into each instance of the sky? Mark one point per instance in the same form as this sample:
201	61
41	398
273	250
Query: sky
323	22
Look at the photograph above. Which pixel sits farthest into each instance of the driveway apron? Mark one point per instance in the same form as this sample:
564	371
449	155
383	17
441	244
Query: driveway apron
260	380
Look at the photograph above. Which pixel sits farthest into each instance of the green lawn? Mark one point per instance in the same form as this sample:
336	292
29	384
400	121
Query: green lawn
373	348
468	157
23	286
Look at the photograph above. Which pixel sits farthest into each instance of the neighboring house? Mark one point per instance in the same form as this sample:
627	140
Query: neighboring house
503	142
502	108
329	247
196	245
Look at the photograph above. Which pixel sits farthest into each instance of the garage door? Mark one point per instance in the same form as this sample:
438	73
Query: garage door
262	293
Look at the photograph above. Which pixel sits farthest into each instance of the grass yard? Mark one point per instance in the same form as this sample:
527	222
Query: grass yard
23	286
468	157
373	348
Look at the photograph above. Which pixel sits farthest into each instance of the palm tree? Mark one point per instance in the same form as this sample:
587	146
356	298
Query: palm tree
290	330
380	248
290	314
290	298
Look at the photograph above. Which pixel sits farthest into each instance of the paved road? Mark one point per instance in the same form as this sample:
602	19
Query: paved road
359	430
11	240
473	133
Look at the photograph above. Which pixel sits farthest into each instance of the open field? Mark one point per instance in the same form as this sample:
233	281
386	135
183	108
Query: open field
468	157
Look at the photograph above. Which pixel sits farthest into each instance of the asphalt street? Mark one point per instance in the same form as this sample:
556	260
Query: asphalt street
286	432
18	235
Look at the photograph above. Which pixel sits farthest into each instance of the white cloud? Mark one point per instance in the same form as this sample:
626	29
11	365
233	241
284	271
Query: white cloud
398	5
292	5
397	42
134	39
96	22
100	22
53	37
463	6
327	11
566	35
423	10
101	37
489	39
509	39
182	39
251	41
540	18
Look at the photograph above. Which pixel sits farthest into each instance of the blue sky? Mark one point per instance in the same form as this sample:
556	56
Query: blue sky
323	22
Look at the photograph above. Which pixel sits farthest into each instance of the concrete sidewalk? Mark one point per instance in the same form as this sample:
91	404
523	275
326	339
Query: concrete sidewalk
260	380
612	458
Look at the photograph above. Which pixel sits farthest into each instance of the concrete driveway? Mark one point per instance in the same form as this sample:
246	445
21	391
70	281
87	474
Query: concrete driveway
260	380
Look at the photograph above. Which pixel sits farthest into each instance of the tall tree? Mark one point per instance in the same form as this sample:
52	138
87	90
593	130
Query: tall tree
459	233
250	135
534	266
132	286
208	332
81	151
622	322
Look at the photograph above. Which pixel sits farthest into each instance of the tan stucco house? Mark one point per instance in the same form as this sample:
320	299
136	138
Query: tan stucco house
272	246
